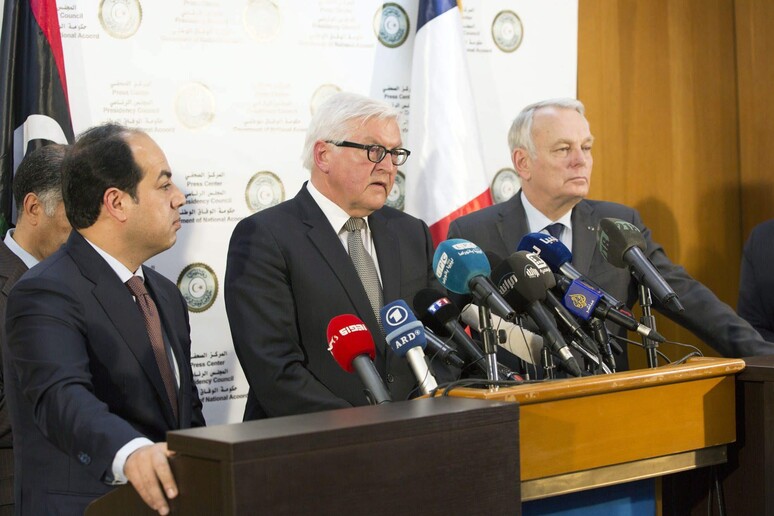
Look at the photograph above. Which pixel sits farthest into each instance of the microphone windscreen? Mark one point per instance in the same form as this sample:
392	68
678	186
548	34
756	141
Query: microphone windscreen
402	328
519	280
581	299
615	237
348	337
551	250
435	309
457	261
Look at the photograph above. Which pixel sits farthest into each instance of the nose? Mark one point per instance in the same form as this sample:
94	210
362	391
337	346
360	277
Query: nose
178	199
579	157
386	164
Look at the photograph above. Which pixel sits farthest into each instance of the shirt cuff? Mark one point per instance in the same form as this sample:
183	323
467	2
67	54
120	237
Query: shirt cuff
120	459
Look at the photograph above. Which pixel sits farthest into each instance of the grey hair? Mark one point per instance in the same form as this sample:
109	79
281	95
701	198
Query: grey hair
331	120
40	172
520	134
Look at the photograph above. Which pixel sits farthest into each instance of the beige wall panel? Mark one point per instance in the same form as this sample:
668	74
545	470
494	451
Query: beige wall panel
658	81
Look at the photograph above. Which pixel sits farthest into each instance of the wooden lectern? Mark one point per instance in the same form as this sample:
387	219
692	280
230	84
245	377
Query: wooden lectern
583	433
428	456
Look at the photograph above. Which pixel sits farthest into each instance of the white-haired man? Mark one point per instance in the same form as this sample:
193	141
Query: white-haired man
289	273
550	144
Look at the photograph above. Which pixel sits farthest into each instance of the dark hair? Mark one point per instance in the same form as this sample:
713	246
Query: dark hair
40	172
100	159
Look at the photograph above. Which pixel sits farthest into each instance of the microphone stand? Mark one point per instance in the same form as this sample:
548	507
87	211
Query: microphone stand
489	339
649	320
602	337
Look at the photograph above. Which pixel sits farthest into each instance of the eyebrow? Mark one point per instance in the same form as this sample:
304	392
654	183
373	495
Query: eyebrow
164	173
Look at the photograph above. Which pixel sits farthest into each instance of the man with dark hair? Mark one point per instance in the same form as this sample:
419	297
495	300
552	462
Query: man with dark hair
99	343
41	228
550	144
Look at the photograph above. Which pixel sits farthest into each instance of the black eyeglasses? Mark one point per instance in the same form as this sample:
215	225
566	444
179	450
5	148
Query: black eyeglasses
376	153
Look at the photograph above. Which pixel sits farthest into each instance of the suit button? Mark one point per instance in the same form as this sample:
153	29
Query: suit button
84	458
390	378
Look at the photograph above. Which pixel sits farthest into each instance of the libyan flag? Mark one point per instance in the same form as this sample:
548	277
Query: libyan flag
33	89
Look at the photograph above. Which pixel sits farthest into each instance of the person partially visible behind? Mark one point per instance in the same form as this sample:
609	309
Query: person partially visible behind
41	228
98	353
756	282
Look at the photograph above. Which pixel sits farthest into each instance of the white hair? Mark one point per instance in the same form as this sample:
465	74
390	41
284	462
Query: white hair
520	135
332	120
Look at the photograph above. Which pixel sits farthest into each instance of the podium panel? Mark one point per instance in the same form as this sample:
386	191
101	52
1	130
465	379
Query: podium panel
580	433
428	456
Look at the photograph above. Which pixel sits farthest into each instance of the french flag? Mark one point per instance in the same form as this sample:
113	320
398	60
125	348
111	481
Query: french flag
445	175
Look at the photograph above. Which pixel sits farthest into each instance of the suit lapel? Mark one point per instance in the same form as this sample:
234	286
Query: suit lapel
388	252
584	237
11	267
327	242
512	224
121	309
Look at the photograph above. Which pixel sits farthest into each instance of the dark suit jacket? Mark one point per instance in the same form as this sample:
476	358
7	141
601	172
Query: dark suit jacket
11	269
81	377
287	276
756	283
500	228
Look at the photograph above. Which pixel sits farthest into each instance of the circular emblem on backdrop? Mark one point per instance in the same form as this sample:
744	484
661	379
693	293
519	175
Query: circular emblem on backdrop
120	18
321	94
195	105
264	190
262	19
397	197
199	286
505	184
391	25
507	31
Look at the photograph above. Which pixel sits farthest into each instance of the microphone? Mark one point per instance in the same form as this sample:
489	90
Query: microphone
406	337
440	314
462	268
621	243
352	346
520	282
439	348
559	258
586	302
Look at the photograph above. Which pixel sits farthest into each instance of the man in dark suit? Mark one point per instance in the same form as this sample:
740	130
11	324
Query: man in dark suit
289	273
41	228
95	374
550	145
756	283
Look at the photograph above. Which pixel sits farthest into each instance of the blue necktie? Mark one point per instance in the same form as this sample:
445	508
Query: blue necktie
555	229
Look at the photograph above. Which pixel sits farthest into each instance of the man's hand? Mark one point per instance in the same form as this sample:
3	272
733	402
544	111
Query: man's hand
145	468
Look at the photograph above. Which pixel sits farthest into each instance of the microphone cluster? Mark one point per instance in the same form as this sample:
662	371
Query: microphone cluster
536	287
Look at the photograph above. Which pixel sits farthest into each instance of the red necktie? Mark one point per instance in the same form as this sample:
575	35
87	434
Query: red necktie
153	325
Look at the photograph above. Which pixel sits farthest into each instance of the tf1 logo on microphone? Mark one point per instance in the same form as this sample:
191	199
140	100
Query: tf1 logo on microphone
396	316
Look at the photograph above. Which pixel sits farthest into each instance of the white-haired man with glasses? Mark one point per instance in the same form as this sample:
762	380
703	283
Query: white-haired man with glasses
291	267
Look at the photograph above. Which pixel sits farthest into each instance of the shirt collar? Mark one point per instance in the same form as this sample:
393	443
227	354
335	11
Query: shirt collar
124	274
332	211
29	260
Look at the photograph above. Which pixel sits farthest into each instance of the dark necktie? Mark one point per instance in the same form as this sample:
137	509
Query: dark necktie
153	325
555	229
364	265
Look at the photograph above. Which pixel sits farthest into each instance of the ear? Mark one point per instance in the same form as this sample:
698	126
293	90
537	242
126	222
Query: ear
32	208
115	203
522	162
321	154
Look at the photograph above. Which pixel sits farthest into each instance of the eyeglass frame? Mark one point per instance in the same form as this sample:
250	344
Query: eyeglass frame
367	148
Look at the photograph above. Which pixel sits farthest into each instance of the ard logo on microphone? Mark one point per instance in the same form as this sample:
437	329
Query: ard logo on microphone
396	316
